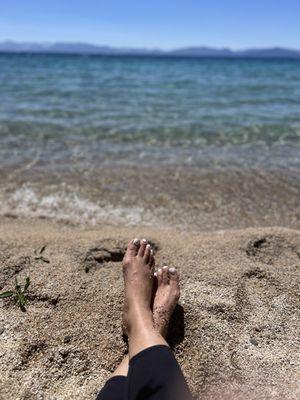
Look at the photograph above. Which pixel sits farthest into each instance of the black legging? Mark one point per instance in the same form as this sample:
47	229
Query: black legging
153	374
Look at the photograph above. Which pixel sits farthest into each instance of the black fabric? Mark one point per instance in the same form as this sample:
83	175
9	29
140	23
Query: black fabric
114	389
154	374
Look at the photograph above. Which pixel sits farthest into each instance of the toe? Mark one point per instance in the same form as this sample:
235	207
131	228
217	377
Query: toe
131	251
173	274
142	248
165	275
159	275
152	260
133	247
147	254
174	281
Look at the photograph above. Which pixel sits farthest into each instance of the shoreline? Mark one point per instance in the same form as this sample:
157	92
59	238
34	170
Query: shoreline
184	198
237	337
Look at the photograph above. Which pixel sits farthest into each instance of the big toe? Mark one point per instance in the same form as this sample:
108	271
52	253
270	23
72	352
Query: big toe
174	277
132	248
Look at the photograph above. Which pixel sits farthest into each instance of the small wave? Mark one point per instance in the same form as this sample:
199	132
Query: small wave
28	202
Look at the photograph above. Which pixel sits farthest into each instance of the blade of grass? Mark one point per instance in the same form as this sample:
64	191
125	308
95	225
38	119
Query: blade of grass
22	299
17	286
27	283
9	293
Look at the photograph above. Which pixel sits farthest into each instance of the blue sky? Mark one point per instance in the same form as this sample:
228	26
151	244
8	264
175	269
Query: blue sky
154	23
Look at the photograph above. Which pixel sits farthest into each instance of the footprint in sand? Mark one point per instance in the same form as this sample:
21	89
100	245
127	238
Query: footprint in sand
106	251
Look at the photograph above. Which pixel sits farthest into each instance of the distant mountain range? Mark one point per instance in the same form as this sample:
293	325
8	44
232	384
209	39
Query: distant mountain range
86	48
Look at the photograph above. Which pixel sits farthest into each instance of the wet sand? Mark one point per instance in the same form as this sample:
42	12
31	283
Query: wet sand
183	197
236	331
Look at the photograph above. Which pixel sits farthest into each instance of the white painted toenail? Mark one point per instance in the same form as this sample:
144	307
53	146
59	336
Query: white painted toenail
165	267
144	241
136	241
151	252
159	270
155	274
148	246
172	271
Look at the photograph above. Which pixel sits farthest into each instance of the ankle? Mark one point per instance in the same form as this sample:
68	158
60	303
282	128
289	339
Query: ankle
163	330
138	310
139	319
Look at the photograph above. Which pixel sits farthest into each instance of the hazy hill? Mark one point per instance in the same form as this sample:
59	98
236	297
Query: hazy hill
202	51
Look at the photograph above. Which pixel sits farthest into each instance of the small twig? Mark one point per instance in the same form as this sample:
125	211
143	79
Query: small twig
38	252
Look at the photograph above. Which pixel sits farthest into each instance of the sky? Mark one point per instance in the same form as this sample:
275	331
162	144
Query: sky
164	24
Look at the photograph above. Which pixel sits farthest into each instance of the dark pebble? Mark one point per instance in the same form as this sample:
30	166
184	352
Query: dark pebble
67	339
254	341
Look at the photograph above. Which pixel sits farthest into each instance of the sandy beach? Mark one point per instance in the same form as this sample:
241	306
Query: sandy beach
235	331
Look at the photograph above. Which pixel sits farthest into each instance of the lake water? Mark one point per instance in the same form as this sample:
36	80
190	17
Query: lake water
130	140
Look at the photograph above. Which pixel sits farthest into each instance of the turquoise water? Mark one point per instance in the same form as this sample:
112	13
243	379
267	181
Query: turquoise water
171	101
65	117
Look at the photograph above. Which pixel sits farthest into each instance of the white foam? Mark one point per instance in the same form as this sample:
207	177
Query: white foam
62	205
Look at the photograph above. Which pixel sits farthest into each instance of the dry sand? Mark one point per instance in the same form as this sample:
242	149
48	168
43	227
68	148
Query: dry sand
236	328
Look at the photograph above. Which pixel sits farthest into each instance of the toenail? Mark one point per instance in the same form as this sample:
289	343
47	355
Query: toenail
165	267
155	274
144	241
136	241
172	271
159	270
151	251
148	246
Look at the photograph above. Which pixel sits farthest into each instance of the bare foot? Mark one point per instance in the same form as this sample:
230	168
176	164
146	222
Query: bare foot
166	298
138	266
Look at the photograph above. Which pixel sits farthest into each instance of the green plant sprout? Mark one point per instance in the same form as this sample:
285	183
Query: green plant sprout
19	294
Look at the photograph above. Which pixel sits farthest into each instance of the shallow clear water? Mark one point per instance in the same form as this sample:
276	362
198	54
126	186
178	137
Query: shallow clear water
63	118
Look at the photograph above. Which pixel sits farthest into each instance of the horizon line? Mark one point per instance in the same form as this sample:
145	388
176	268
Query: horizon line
155	48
